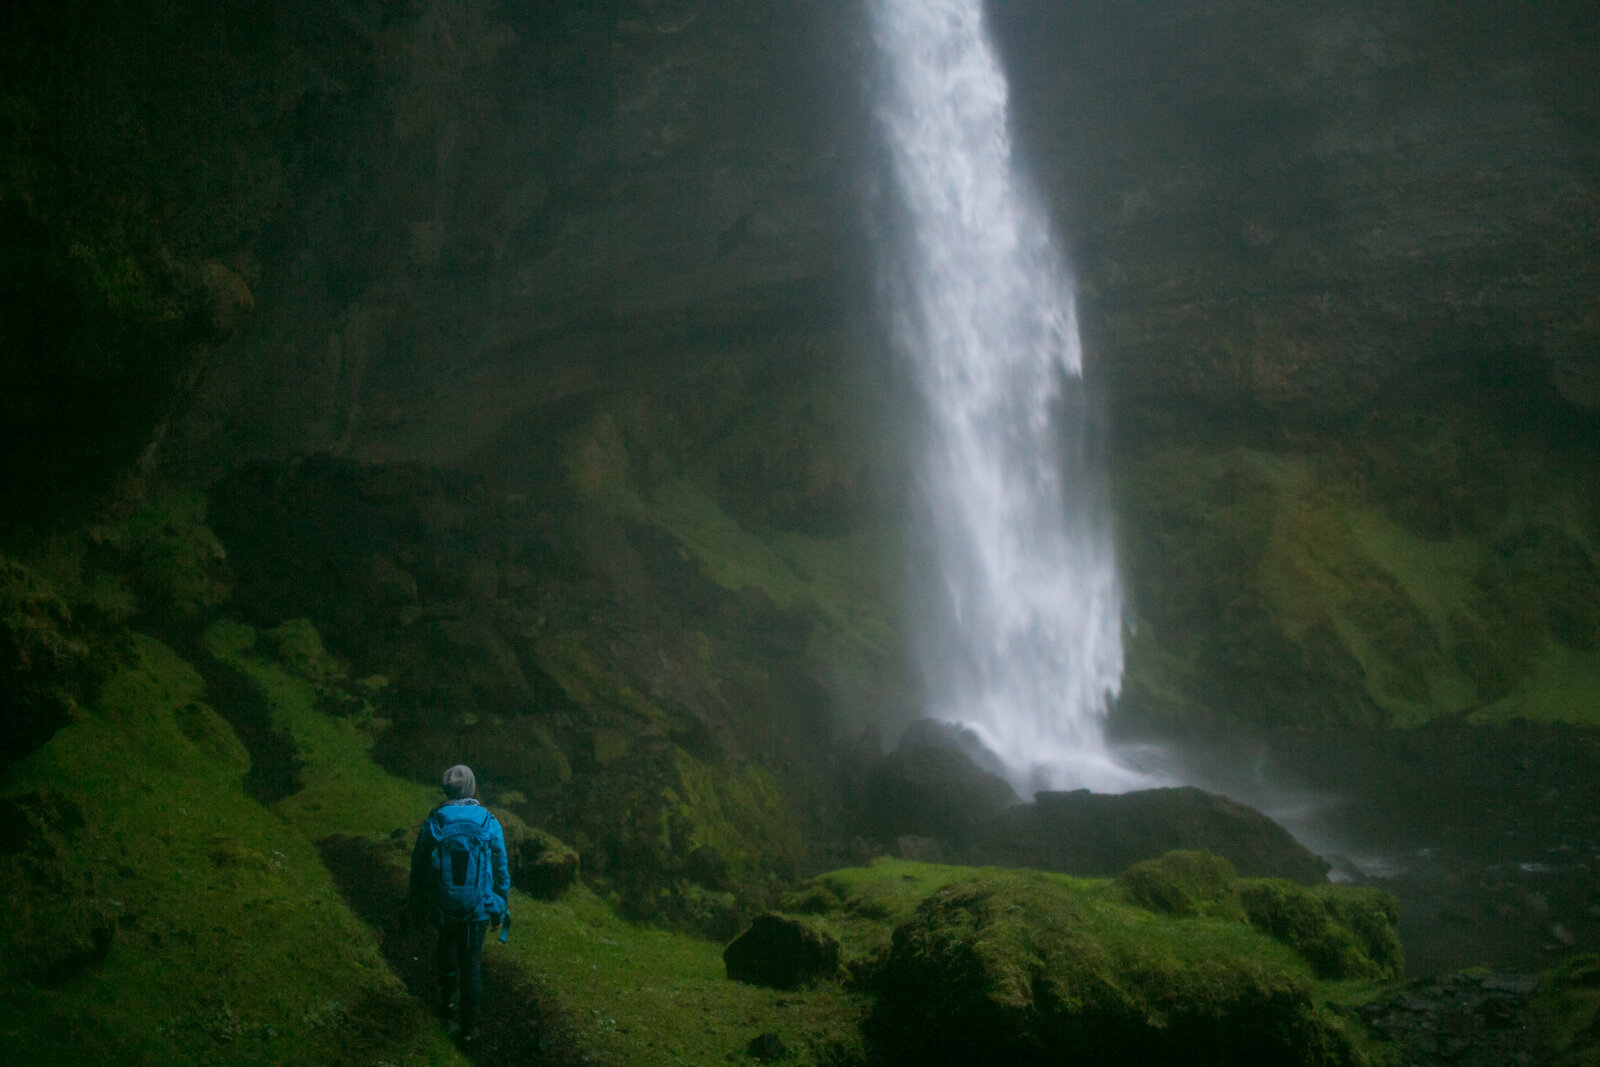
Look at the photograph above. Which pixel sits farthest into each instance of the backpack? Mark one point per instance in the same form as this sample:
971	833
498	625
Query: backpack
463	867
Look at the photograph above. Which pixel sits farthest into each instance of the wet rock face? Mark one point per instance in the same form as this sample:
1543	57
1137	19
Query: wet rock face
930	791
1268	204
1463	1018
548	197
1086	833
1285	204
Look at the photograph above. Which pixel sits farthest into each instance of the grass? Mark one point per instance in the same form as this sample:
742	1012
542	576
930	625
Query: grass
643	996
344	791
234	946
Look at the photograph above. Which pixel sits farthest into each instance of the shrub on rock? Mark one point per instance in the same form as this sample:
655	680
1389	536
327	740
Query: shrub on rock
781	953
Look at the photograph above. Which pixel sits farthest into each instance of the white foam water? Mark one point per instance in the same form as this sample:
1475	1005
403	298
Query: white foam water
1021	637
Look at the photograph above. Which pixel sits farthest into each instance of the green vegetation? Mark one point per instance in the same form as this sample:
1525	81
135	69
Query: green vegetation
169	915
1184	884
1566	1011
1341	932
988	964
224	938
1368	584
163	914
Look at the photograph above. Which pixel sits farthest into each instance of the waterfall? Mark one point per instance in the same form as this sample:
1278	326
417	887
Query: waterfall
1021	636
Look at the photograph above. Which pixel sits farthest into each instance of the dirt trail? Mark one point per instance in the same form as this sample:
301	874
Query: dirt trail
523	1026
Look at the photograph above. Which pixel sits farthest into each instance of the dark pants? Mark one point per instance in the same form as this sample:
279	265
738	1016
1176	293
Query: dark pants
460	960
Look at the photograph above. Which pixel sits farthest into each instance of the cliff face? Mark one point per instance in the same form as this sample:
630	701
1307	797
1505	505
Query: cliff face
540	201
1290	204
1337	271
1270	205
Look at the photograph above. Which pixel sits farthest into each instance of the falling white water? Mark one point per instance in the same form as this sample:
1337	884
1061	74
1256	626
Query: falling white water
1022	638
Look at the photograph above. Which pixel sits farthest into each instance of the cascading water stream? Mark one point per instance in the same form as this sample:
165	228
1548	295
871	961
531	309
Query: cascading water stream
1022	637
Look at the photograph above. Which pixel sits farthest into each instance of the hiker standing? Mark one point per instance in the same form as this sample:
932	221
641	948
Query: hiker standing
460	881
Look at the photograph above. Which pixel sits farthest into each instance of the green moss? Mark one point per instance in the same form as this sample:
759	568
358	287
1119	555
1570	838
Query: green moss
344	791
1566	1013
1020	966
861	906
1184	884
739	813
1273	585
297	646
1342	932
229	942
1561	685
646	996
841	577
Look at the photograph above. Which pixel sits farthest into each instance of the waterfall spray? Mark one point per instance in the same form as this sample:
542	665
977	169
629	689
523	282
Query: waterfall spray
1022	639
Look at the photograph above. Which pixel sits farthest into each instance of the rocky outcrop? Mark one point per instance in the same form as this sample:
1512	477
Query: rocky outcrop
1283	205
1086	833
930	791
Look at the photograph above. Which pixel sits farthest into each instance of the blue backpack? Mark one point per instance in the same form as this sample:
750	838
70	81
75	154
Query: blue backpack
463	864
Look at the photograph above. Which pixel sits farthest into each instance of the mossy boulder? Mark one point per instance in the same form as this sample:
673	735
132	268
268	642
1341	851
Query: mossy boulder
781	953
543	866
1342	931
1183	884
1022	969
298	647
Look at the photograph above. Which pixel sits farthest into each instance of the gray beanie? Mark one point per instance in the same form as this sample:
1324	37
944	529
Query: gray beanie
458	782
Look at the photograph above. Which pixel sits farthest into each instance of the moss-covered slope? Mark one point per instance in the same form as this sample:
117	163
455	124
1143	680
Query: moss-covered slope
1409	566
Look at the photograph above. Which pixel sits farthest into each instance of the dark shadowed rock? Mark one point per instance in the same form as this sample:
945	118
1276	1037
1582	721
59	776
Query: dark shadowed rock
766	1047
1086	833
955	736
780	952
932	791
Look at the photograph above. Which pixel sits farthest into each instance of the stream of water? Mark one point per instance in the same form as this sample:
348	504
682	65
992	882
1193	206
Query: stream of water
1021	637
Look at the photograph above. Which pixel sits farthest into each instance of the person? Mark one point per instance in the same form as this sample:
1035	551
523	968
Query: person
460	881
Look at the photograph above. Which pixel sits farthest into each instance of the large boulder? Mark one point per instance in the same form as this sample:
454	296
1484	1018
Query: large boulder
781	953
1021	969
1091	834
933	791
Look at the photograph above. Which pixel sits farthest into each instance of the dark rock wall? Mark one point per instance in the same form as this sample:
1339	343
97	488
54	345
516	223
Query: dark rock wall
1287	204
1337	266
537	201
